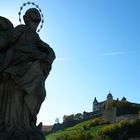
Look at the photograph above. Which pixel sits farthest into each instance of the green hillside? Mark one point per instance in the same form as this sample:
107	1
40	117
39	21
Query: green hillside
82	131
99	129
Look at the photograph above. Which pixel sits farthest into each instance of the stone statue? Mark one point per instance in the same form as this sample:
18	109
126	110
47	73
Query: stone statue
25	63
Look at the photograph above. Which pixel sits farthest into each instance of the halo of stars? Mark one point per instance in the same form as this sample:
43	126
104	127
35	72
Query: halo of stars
37	7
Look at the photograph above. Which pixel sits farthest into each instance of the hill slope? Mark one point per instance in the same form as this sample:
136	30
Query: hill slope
81	131
99	129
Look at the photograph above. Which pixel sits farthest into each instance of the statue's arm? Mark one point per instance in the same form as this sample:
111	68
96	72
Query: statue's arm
46	63
50	54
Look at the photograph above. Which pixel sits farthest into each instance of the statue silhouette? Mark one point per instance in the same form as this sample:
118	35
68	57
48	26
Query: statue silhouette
25	63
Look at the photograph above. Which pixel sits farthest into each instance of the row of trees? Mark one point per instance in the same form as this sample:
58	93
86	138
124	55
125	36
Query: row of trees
68	121
71	120
77	117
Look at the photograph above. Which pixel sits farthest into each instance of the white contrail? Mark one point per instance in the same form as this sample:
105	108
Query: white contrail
115	53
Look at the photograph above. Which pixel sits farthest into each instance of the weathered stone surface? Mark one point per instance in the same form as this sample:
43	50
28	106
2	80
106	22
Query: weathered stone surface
25	63
134	138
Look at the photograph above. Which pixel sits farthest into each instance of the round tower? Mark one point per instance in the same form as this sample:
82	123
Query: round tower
109	96
124	99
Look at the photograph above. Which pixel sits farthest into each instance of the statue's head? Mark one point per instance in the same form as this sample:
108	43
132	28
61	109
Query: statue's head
32	17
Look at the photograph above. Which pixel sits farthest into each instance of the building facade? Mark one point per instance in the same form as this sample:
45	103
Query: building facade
101	106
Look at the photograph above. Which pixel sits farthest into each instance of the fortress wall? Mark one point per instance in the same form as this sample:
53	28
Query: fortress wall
110	115
127	117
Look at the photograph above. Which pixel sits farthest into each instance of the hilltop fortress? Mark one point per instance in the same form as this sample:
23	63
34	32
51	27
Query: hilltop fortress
110	109
113	110
100	106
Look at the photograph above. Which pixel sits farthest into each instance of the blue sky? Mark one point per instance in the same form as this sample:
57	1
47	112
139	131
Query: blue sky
97	44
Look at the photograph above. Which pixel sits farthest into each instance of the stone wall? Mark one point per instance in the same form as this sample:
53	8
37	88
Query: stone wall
47	128
110	115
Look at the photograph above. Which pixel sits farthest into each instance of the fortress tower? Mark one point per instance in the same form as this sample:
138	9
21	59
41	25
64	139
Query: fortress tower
100	106
109	96
95	104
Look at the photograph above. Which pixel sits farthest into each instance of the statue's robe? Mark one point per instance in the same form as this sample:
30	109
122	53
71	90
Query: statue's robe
24	66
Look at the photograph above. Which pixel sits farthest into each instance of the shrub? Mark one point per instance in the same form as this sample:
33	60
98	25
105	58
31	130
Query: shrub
77	135
120	131
98	121
111	104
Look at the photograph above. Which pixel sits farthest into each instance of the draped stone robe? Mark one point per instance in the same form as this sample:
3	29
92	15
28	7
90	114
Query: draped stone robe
24	66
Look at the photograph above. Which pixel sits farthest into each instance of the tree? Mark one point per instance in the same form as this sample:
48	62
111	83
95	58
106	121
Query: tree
69	121
78	116
57	120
